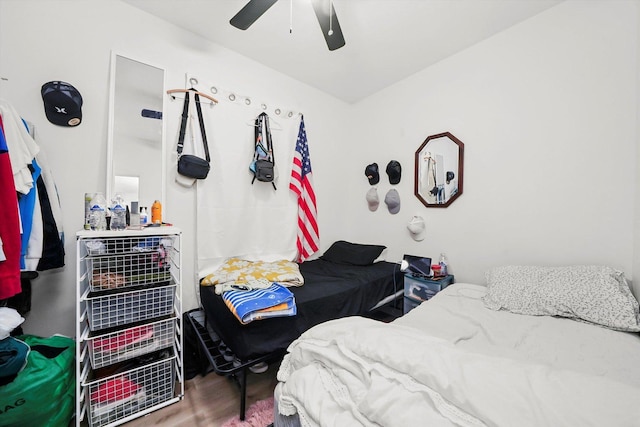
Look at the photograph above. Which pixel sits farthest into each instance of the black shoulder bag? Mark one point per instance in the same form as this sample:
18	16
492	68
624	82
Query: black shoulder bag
188	164
263	160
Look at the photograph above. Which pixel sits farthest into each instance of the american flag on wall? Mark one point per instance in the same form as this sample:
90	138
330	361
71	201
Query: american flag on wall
308	237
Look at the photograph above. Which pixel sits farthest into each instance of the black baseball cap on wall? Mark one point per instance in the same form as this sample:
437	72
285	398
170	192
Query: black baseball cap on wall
394	170
62	103
371	171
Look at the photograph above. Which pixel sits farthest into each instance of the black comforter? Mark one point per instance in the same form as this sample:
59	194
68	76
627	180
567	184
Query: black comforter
330	291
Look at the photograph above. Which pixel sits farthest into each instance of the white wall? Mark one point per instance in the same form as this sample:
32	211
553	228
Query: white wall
548	112
75	46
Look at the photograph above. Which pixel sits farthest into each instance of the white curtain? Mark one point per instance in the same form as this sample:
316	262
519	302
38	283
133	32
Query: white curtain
234	217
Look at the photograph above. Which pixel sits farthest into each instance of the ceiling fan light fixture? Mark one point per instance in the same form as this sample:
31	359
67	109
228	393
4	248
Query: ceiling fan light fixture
329	24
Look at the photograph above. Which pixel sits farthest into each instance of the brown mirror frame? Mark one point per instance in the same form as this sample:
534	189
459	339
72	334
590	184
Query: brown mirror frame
439	186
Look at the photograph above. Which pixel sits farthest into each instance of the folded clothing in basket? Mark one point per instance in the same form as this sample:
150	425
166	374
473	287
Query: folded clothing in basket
123	340
108	280
114	393
147	244
115	389
247	306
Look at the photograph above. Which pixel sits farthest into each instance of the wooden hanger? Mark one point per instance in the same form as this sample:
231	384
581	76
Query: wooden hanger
211	98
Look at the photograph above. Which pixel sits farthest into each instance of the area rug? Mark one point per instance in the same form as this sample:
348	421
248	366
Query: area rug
260	414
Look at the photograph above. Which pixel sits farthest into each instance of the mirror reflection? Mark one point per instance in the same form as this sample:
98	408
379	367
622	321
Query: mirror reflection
135	166
128	187
439	170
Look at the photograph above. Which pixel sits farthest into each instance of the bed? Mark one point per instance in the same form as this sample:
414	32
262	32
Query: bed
330	291
536	346
348	279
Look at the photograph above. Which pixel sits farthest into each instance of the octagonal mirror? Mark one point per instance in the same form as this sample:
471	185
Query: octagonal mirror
439	167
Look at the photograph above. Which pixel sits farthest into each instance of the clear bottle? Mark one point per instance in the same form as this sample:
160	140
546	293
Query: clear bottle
98	213
143	216
118	213
443	265
87	210
156	212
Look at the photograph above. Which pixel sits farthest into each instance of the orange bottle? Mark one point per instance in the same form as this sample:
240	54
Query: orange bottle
156	212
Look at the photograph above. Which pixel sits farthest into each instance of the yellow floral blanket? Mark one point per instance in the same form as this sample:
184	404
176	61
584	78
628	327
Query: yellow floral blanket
239	272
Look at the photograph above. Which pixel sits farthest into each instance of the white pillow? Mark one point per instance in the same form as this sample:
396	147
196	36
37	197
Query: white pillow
594	294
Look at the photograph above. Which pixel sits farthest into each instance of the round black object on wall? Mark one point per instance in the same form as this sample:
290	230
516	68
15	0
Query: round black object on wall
394	170
62	103
371	171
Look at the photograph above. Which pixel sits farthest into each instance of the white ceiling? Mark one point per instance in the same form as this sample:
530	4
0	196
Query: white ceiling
386	40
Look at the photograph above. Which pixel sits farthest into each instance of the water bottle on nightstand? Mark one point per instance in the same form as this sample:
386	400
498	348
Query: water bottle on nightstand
443	265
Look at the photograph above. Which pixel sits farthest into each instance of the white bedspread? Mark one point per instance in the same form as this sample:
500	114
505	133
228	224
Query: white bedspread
459	316
453	362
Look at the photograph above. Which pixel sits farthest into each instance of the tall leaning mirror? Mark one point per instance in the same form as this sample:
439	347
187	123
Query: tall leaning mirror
135	153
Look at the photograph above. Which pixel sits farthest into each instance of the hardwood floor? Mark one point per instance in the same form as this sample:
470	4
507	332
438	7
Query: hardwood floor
211	400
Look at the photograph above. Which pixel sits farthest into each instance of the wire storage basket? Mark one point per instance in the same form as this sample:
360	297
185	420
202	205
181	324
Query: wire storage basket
125	393
108	311
128	324
124	262
126	344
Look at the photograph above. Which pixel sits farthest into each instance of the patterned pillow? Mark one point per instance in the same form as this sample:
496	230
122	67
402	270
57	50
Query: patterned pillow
594	294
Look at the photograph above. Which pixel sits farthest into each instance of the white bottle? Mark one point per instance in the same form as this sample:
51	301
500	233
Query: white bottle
98	221
443	264
118	213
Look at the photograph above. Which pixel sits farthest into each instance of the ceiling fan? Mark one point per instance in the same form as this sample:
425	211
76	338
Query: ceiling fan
324	12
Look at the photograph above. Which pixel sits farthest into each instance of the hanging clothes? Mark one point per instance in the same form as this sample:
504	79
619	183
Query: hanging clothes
31	223
22	148
52	190
9	226
37	214
45	246
52	255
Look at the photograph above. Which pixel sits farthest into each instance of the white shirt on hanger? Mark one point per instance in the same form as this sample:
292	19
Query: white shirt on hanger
22	147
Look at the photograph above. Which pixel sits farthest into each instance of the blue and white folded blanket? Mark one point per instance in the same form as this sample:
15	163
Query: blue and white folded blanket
250	305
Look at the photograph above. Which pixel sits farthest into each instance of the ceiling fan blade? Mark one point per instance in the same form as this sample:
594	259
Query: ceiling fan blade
329	23
250	13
